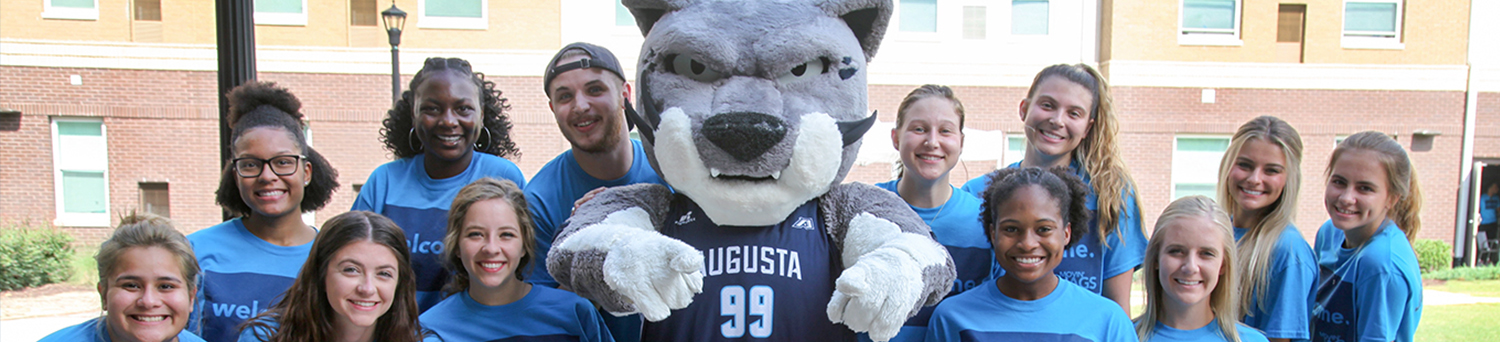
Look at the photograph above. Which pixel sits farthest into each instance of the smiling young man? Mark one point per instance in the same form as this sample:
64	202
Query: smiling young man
588	94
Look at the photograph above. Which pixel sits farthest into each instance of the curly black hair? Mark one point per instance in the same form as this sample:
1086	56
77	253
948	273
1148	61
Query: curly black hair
398	123
263	104
1069	191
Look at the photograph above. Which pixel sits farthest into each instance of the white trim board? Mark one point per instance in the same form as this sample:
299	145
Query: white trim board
202	57
1287	75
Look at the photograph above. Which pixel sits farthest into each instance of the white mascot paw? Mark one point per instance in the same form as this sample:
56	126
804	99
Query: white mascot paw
876	293
656	273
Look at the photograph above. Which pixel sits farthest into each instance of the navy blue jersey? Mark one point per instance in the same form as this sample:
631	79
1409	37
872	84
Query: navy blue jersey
769	283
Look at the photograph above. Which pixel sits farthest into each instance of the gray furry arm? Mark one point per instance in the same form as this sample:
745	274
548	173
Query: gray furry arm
581	269
845	203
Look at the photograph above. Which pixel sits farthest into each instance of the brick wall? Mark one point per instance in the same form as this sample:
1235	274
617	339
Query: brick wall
158	123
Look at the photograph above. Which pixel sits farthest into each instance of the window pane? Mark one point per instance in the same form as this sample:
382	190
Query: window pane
73	3
919	15
148	10
363	13
1208	14
622	15
1202	145
83	192
1185	190
278	6
974	22
155	199
1363	16
454	8
1028	17
1015	148
85	129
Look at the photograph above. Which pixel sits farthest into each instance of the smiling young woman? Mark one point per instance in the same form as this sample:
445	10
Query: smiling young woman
1190	277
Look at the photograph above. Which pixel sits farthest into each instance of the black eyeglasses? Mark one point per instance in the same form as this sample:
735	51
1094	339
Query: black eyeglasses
250	167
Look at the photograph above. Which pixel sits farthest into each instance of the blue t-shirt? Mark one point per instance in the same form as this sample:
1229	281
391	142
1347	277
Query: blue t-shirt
544	315
1208	333
1087	263
553	189
93	330
1487	212
1368	293
1070	313
767	283
402	191
955	224
1288	288
242	276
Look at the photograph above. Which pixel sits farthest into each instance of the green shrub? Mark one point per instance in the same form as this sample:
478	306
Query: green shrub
1433	255
34	256
1491	272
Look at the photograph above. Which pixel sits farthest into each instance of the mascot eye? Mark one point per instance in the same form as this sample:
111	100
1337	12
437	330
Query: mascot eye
686	66
805	70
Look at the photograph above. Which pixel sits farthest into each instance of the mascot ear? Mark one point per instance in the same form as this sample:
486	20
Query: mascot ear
867	18
647	12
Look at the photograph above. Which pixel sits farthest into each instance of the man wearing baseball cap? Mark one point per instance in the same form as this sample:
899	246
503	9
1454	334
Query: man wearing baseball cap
587	92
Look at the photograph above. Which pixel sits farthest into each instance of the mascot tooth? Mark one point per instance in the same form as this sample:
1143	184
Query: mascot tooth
752	111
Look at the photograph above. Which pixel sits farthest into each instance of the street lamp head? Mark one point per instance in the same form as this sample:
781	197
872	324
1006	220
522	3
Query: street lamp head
394	20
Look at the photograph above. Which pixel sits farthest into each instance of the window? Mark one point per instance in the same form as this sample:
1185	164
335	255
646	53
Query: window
281	12
453	14
1372	24
622	15
1195	165
363	13
974	22
1210	22
918	15
1015	149
70	9
1028	17
155	199
80	163
148	10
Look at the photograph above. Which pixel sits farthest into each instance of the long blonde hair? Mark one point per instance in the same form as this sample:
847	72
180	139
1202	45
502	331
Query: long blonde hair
1222	301
1399	173
1099	153
1257	248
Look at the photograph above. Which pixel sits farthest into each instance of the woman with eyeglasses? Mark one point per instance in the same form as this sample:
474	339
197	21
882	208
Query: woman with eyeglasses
272	178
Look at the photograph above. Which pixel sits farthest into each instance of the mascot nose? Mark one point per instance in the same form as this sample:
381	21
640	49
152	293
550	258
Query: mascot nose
744	135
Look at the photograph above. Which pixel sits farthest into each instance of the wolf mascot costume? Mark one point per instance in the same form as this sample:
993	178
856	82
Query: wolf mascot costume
753	110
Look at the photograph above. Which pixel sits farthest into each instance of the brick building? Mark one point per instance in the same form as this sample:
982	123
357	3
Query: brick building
109	105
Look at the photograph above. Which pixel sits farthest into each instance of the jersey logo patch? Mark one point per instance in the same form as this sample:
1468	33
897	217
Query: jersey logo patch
803	223
686	218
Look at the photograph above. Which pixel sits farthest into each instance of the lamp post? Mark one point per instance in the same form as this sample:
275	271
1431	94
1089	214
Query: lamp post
394	19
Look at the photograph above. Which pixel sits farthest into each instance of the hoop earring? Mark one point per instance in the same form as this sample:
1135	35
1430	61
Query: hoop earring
411	137
484	131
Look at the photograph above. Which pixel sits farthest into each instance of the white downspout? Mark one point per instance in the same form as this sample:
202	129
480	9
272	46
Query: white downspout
1461	247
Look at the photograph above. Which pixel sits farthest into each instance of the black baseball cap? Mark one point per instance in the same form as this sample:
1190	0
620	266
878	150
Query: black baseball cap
598	57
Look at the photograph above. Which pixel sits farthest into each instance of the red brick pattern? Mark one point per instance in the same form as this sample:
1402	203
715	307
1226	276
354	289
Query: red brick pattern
159	122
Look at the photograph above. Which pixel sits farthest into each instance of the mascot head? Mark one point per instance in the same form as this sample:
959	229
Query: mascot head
752	108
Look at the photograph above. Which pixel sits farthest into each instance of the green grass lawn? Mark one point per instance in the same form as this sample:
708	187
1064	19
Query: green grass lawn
1483	288
1473	322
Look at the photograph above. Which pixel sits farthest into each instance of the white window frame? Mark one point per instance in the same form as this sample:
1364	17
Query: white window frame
457	23
1173	173
934	36
1005	155
283	19
69	13
64	218
1377	43
1210	37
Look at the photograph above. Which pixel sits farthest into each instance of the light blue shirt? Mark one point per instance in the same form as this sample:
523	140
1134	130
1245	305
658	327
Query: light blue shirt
94	330
1069	313
956	226
544	314
242	276
1208	333
1289	288
1367	293
402	191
